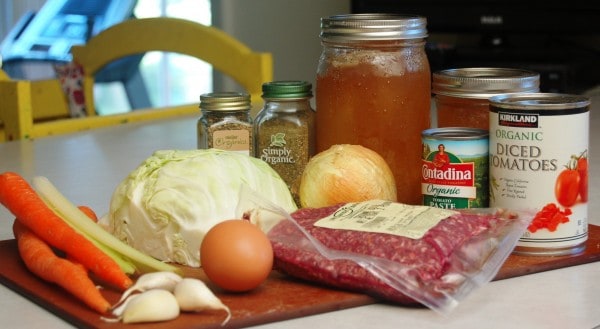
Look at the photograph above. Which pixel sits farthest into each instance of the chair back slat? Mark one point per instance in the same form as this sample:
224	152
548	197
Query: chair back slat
33	109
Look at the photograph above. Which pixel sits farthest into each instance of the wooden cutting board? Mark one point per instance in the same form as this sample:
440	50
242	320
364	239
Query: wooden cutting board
517	265
279	298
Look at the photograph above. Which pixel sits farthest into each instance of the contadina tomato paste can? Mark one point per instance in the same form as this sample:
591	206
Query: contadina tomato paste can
539	162
454	169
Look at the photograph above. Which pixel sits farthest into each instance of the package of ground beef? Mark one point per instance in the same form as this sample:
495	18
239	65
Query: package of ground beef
410	255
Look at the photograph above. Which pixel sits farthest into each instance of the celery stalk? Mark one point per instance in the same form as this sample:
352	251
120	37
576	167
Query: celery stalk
115	248
125	265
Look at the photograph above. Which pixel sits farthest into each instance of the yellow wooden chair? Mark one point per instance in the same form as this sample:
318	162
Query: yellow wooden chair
24	102
3	75
226	54
31	109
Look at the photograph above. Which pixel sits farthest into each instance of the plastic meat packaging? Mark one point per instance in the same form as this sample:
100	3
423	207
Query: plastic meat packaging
449	261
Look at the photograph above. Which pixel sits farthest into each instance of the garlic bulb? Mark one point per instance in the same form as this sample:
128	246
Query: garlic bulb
346	173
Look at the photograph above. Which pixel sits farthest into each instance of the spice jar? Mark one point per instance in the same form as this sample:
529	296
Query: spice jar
373	88
461	95
284	130
226	123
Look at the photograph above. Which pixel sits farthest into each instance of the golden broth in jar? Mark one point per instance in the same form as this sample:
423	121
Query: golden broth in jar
374	90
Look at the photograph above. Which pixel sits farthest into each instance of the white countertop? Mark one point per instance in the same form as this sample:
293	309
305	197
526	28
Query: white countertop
87	167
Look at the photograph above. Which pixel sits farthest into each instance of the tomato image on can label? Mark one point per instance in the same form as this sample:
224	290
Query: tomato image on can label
538	162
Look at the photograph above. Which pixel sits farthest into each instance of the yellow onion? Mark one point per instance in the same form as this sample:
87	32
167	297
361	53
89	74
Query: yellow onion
346	173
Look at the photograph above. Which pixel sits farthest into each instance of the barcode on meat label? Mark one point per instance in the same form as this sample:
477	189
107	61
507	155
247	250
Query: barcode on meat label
375	222
380	216
366	214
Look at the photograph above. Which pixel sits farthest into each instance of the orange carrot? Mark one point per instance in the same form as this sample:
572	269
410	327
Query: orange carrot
22	200
92	215
89	212
41	261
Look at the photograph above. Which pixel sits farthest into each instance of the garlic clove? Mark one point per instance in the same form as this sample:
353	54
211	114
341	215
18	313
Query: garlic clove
119	308
152	280
151	306
193	295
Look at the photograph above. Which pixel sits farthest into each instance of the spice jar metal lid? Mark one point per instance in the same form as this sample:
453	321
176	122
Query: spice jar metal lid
353	27
225	101
484	82
286	89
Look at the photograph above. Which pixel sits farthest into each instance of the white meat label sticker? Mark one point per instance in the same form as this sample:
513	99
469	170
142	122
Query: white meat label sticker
380	216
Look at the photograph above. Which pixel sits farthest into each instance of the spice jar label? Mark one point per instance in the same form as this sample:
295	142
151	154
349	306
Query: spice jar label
277	152
232	140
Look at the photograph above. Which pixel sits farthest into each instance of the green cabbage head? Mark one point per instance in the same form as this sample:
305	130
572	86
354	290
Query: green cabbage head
166	205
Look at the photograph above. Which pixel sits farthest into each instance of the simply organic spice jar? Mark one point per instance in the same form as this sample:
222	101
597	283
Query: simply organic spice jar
373	88
284	130
226	123
462	95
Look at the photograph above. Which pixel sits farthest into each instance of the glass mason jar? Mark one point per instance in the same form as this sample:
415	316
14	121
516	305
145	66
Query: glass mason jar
373	88
226	123
284	130
461	95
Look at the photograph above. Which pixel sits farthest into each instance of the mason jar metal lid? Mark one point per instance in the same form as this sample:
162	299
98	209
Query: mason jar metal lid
541	101
354	27
287	89
225	101
484	82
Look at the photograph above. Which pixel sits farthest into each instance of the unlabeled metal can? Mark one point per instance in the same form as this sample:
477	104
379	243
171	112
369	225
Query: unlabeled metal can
454	170
538	161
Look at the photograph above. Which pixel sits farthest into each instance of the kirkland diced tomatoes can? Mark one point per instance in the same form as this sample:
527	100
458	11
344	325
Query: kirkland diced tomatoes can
454	170
539	162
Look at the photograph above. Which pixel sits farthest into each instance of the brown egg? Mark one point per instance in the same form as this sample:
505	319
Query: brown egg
236	255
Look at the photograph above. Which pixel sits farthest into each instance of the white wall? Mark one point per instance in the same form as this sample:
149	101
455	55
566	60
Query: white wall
12	10
289	29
